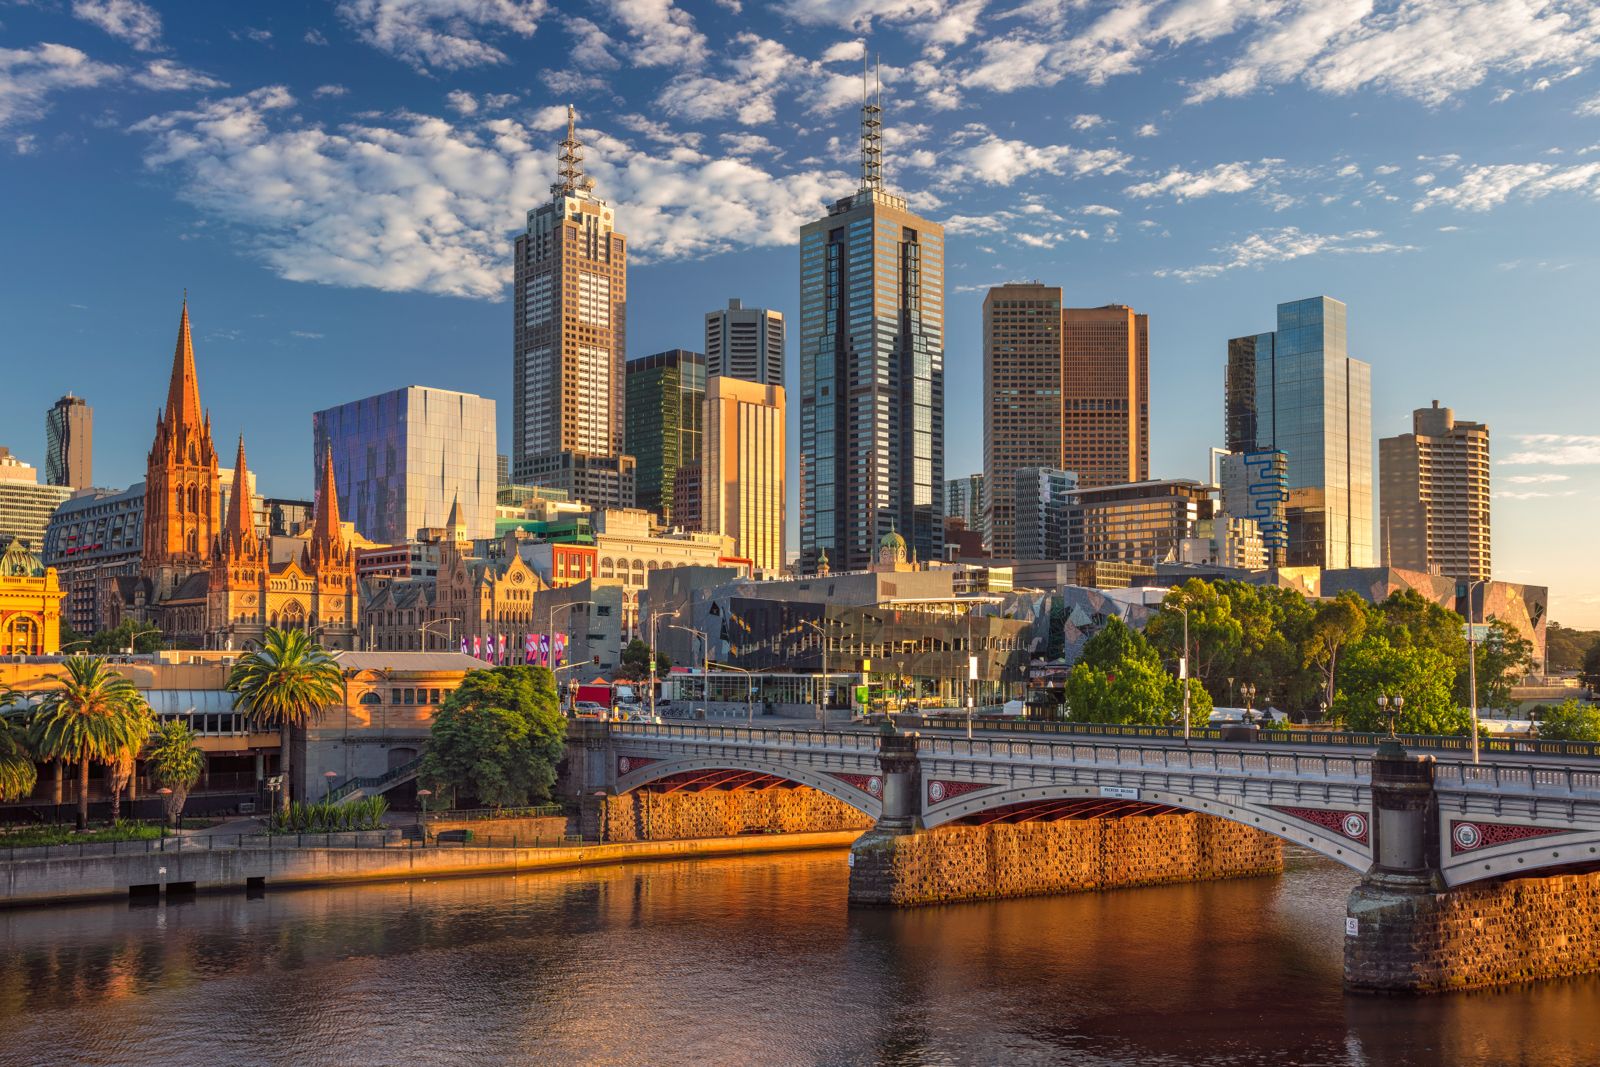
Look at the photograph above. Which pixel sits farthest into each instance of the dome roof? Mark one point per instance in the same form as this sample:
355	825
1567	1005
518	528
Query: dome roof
893	540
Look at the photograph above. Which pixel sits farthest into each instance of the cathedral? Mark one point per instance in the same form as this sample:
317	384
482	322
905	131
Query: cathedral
211	580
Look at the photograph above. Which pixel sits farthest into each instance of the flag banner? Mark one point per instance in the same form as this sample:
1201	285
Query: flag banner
544	650
488	648
559	649
463	644
502	648
527	648
477	646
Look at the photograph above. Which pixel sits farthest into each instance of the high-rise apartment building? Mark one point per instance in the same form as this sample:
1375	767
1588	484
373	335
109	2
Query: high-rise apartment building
742	473
871	372
964	499
404	457
1043	498
95	536
666	401
25	505
1022	423
1306	397
745	343
570	338
1435	496
1255	486
69	443
1105	395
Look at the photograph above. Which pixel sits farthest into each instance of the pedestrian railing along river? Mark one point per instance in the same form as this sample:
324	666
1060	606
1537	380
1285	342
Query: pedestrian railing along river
374	839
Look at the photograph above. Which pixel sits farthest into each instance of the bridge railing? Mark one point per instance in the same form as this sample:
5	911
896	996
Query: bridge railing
844	740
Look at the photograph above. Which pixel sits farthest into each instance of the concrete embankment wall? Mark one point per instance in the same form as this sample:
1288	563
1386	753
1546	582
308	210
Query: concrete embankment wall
58	881
646	816
955	863
1486	934
542	828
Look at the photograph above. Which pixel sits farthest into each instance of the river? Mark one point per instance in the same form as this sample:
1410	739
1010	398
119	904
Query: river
739	961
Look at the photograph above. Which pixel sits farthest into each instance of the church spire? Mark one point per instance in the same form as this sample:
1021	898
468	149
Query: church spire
183	391
325	537
239	529
454	523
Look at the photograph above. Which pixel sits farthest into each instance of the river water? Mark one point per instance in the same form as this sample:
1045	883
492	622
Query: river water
739	961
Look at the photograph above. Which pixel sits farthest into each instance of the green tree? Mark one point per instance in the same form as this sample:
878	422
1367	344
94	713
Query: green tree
1274	624
1216	636
176	763
1120	679
1591	668
18	775
126	634
1571	720
498	737
1422	675
288	682
95	715
1334	624
636	662
1565	648
1504	656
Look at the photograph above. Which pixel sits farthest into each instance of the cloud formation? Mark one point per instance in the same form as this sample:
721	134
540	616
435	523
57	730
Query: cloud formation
1282	245
130	20
1556	450
1181	184
1483	187
443	34
30	76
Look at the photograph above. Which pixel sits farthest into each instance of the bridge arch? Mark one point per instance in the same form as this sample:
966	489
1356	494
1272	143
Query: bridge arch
1333	840
654	770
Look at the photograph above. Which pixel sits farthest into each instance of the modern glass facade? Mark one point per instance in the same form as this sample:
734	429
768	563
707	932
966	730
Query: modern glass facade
1255	485
665	402
402	458
69	443
871	381
965	499
1042	498
1314	403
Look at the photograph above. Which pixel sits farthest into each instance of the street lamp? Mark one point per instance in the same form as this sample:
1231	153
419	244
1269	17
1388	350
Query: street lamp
1472	658
655	617
1391	709
1248	691
822	693
166	816
1183	673
450	634
422	813
328	777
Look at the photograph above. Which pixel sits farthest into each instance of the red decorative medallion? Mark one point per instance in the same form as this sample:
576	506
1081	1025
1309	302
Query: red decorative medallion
939	791
869	784
1352	824
1471	836
633	763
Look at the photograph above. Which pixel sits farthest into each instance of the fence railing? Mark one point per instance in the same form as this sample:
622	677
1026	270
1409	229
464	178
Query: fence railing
394	774
358	839
492	814
844	740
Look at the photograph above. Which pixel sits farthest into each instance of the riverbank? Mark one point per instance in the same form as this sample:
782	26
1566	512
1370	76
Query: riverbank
71	879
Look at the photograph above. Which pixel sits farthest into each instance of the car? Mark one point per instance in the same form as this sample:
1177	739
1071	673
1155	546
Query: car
588	709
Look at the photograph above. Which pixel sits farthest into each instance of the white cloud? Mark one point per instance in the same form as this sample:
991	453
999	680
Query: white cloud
1538	479
1186	185
306	335
1087	122
329	90
663	34
591	46
132	21
423	203
30	76
1100	209
1589	108
1147	130
1282	245
749	88
1533	494
163	74
845	52
314	36
461	101
1424	179
1556	450
997	161
1484	187
441	33
1386	169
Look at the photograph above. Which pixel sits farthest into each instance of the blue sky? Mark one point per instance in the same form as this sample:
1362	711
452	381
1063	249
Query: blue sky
337	185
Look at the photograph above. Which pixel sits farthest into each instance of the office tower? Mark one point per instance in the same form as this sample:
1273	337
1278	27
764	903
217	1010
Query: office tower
666	401
965	499
1143	522
1313	402
570	332
95	536
1043	498
742	473
502	470
871	373
1434	484
403	457
1239	392
745	343
1022	423
1105	395
1255	486
688	497
69	443
25	505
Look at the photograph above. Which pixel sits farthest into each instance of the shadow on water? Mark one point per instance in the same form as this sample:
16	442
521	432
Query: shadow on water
739	961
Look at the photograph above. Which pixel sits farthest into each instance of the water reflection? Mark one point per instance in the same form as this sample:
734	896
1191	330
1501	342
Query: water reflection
739	961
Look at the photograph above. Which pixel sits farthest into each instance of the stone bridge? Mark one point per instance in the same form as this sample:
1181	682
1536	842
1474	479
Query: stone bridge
1445	846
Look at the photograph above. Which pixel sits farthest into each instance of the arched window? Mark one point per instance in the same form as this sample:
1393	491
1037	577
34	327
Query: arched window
371	698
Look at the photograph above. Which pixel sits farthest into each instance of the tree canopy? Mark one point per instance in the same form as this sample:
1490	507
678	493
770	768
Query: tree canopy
1571	720
498	737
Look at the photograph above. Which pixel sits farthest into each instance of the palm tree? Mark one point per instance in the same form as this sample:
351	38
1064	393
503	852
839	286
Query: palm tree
287	682
176	763
18	775
94	716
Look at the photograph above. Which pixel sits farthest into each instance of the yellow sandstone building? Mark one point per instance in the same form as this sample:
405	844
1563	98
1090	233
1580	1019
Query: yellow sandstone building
30	604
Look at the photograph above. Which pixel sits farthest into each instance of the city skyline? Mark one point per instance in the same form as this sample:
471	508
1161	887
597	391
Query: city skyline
1420	313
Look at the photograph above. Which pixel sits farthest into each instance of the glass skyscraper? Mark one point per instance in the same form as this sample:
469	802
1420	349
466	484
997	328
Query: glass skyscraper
1313	402
665	399
871	373
402	458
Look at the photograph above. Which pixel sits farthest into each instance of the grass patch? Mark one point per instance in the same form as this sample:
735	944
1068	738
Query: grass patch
35	836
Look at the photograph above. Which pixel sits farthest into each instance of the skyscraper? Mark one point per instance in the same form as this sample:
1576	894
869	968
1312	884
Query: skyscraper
1105	395
1435	496
871	372
405	456
666	400
1022	413
25	505
742	474
964	499
745	343
1313	402
570	332
69	443
1255	486
1044	499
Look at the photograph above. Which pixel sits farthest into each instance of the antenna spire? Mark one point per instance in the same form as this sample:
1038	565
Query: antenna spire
571	172
871	131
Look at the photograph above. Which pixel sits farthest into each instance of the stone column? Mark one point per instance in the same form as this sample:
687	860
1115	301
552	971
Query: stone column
875	872
1385	946
902	783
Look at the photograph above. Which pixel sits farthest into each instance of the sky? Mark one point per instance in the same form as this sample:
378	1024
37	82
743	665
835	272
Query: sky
337	185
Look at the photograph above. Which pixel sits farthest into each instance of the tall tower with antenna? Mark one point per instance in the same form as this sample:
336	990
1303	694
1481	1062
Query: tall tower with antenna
871	369
569	341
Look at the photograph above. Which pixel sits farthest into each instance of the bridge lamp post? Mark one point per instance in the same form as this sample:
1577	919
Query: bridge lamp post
1248	691
1391	709
1472	659
822	640
656	617
1183	671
